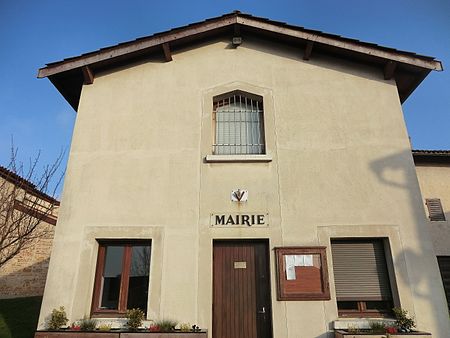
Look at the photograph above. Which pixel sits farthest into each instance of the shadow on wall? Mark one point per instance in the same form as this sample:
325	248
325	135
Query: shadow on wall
26	282
394	170
326	335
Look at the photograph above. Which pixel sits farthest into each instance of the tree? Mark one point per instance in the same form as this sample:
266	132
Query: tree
25	203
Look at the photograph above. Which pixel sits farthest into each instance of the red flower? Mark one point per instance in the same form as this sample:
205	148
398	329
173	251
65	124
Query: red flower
154	328
75	327
391	329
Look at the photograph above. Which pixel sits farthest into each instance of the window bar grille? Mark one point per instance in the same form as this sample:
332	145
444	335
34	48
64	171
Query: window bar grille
239	126
235	125
247	131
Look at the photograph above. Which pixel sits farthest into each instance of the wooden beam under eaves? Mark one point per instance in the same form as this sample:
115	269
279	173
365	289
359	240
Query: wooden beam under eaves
308	50
130	49
167	52
237	30
389	69
88	75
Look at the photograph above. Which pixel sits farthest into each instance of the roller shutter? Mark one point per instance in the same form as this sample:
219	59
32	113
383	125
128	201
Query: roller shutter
360	271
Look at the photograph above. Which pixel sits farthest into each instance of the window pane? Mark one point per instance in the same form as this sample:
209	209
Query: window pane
382	306
348	305
139	277
111	277
239	126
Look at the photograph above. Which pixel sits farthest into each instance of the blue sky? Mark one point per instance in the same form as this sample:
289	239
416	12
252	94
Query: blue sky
33	33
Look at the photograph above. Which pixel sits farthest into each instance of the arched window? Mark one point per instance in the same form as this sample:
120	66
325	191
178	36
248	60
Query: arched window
238	124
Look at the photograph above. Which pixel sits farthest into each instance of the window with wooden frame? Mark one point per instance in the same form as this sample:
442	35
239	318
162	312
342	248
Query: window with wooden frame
122	277
302	273
435	211
444	267
361	278
238	119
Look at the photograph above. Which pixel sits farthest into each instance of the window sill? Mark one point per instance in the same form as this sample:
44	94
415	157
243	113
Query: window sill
237	158
360	323
108	314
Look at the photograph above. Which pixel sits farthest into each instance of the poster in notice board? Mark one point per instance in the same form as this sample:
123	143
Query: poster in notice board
302	273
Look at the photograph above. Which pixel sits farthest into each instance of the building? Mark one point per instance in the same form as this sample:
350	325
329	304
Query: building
246	175
25	274
433	172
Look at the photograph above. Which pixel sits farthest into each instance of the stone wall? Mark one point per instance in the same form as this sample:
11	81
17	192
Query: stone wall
25	274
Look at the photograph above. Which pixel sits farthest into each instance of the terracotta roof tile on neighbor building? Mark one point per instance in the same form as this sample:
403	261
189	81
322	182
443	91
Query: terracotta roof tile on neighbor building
12	177
432	152
431	156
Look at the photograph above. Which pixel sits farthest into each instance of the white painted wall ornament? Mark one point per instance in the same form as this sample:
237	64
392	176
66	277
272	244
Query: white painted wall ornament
239	195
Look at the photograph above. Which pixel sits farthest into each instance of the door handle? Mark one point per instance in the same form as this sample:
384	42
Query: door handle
263	310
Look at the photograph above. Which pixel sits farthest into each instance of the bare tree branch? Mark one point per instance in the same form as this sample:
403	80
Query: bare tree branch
25	205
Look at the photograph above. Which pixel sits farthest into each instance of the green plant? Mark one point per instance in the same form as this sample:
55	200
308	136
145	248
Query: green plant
404	321
57	319
377	327
24	311
353	329
88	324
185	327
105	327
135	317
166	325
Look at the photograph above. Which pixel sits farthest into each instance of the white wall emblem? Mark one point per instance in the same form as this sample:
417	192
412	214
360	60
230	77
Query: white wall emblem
239	195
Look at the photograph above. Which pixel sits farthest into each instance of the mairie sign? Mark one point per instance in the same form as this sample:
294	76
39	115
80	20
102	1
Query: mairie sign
240	220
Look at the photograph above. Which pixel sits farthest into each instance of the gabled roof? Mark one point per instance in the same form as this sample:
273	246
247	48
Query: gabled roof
408	69
26	185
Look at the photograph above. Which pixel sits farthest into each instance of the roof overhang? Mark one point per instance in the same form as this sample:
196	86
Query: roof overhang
431	157
26	185
408	69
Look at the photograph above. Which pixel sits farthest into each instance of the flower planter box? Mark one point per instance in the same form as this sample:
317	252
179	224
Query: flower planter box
119	334
345	334
176	334
76	334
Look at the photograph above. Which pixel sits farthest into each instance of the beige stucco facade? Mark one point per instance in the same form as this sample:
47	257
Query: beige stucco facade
338	165
434	181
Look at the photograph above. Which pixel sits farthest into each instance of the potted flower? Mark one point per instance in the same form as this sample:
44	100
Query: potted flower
404	327
89	328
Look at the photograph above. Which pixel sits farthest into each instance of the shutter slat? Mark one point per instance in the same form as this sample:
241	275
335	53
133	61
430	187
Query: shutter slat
435	211
360	270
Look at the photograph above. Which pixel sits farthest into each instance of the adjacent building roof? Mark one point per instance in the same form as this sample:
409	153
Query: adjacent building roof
408	69
31	188
431	156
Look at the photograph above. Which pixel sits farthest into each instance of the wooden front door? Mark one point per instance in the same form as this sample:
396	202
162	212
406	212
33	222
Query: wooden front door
241	290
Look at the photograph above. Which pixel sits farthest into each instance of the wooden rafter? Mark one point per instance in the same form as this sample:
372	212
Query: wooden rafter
88	75
341	43
246	21
389	70
167	52
237	30
409	69
308	50
132	47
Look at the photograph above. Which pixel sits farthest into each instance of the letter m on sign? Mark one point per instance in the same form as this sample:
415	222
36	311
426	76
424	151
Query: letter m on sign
220	220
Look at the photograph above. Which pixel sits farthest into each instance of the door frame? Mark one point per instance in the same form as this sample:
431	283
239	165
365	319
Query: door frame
267	255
